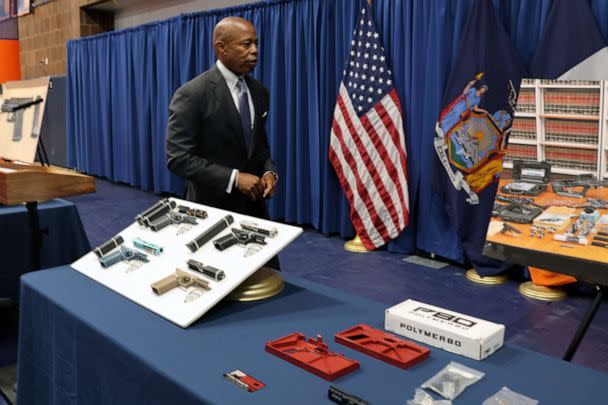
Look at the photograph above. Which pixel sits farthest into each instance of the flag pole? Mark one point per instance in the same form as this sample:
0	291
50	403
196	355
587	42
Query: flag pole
355	245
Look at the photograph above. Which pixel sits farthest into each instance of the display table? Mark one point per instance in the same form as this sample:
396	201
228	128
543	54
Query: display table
65	241
82	343
587	263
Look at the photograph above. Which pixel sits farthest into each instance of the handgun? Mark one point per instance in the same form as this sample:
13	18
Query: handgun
172	218
16	107
124	253
509	228
239	236
179	279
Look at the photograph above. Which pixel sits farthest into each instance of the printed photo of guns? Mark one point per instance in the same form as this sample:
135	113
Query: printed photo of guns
547	212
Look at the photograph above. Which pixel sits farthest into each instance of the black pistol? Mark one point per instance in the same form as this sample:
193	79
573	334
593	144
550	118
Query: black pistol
240	237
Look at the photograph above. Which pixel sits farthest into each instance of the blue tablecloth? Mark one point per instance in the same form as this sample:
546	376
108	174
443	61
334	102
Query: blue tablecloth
65	242
82	343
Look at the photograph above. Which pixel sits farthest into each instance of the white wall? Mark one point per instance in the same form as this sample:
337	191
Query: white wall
135	12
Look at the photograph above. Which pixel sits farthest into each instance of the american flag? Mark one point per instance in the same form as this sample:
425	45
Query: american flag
367	146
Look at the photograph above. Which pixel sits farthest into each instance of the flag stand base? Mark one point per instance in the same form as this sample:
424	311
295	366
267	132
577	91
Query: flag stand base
473	276
542	293
355	245
262	284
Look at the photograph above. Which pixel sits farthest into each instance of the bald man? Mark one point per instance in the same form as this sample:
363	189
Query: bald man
216	136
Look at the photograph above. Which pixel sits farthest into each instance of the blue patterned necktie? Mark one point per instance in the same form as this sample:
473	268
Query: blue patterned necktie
244	111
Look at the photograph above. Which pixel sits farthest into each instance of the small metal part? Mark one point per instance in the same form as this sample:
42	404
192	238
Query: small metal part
133	266
192	211
183	229
193	295
252	250
147	246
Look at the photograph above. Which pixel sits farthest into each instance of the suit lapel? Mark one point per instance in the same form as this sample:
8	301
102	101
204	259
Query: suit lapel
225	98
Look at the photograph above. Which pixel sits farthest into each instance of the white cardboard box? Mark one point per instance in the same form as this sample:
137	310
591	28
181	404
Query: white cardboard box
448	330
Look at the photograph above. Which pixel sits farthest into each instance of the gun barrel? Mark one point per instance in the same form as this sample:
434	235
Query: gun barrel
107	246
210	233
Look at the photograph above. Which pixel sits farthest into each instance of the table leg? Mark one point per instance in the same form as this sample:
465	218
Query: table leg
582	329
35	233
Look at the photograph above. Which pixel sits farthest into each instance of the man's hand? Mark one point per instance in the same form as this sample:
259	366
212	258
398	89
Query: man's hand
250	185
270	184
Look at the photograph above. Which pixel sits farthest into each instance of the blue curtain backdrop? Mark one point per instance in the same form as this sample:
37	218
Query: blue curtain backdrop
119	86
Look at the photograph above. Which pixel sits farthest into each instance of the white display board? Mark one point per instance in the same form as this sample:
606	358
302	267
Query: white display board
135	283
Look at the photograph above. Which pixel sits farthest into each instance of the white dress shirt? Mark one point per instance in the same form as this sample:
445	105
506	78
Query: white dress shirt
231	81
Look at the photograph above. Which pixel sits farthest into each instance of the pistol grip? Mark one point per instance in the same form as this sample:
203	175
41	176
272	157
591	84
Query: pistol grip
225	242
166	284
111	258
161	222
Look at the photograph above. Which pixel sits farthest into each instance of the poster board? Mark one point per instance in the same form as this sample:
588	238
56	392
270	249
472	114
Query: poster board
174	305
553	212
23	149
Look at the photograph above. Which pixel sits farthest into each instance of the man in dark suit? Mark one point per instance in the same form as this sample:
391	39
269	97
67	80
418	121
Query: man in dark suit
216	136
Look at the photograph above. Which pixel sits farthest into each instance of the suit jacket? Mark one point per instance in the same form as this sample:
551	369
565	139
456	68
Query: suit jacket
205	141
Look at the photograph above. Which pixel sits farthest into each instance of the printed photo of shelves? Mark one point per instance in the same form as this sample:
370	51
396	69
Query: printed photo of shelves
572	101
570	158
523	128
526	101
571	131
564	83
564	123
521	152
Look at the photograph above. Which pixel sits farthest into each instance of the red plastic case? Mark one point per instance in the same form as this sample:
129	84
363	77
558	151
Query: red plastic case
383	346
312	356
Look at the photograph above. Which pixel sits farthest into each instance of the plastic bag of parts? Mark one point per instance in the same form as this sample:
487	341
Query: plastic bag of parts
452	380
507	397
422	397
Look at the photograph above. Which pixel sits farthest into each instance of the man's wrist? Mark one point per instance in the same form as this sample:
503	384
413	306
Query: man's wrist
276	176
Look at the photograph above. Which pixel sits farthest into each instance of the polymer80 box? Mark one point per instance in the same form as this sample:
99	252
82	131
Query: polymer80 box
448	330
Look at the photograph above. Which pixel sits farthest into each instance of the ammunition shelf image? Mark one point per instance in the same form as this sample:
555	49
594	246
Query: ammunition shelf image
563	123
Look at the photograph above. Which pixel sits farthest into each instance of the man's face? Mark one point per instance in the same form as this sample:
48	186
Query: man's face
240	50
